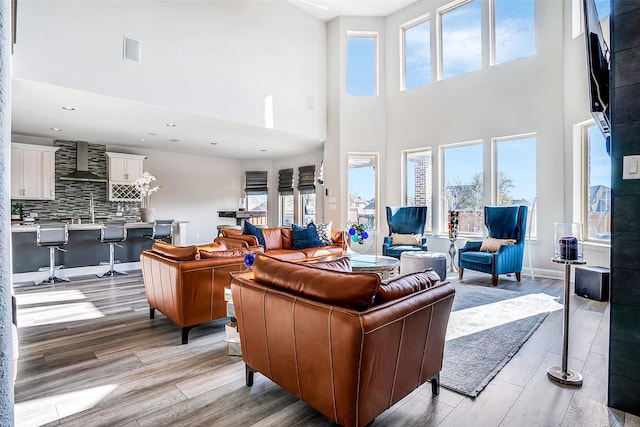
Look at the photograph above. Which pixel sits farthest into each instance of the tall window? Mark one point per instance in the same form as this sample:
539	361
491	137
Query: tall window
515	180
307	190
256	191
463	185
461	34
285	188
596	185
362	63
418	180
513	29
363	188
416	51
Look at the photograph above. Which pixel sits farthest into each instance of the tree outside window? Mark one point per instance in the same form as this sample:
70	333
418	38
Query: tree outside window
463	186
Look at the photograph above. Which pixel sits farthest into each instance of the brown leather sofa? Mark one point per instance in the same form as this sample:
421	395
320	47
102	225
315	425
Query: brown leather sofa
186	283
345	343
279	244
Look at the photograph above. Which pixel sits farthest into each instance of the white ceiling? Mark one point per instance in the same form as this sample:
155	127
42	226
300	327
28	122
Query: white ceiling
99	119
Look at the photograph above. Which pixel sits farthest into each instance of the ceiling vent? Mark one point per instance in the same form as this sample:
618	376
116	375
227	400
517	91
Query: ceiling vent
132	49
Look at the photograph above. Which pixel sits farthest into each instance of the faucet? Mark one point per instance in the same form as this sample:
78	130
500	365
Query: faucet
92	210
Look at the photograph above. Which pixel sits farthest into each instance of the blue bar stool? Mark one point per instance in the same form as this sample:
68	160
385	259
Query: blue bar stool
162	229
52	235
112	232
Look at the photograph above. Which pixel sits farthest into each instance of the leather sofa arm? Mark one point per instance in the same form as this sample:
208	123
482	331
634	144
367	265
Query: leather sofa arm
232	243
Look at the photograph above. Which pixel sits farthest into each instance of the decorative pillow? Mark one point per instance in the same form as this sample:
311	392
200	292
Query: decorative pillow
406	239
489	244
304	238
407	284
324	232
255	231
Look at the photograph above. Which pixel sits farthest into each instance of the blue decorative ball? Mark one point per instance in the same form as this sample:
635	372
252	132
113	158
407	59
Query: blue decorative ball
352	231
249	259
364	234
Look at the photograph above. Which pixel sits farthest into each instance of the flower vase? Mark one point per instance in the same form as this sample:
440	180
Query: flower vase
147	214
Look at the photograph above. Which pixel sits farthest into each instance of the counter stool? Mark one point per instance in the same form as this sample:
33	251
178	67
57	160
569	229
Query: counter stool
162	229
227	227
414	261
52	235
112	232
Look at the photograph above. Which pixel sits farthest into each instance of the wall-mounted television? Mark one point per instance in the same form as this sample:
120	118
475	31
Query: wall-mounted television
598	68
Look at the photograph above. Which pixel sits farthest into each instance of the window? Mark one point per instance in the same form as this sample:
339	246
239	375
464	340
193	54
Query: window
604	8
596	185
461	33
307	190
362	64
515	179
256	191
418	181
463	185
416	51
363	188
513	29
285	188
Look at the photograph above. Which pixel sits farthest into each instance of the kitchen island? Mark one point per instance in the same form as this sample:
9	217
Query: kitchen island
84	251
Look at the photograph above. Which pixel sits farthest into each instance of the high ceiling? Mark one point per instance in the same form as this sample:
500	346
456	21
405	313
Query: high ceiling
99	119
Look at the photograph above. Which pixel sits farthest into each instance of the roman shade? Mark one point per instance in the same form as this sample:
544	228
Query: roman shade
255	183
307	179
285	182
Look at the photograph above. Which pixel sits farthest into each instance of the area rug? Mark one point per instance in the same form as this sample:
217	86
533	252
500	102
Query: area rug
486	329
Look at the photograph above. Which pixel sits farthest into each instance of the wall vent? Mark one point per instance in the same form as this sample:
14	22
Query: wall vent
132	49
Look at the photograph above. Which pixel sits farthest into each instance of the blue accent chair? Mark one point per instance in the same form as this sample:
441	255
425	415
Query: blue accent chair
404	220
502	222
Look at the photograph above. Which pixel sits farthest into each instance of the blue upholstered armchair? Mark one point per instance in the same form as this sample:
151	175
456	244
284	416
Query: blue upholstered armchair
405	220
503	222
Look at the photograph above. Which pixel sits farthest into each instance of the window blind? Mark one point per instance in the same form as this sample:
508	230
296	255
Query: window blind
285	181
307	179
255	182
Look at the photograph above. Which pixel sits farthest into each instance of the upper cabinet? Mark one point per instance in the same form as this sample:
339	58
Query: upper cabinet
124	169
32	172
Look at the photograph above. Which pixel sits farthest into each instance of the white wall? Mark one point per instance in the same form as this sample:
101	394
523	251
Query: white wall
193	188
218	59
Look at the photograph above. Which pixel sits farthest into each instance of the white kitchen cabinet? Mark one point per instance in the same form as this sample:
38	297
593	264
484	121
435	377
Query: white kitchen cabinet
32	172
124	169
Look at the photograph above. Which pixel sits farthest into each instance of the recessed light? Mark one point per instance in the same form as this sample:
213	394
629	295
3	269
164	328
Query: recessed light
68	108
142	140
171	125
56	129
152	134
174	140
263	150
213	143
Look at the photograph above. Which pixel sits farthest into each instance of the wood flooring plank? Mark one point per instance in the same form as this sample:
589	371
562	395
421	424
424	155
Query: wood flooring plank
414	410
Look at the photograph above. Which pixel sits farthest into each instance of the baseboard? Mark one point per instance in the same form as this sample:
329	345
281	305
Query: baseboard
73	272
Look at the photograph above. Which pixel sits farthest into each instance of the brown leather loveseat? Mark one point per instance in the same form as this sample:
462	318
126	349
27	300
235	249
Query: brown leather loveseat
279	244
186	283
345	343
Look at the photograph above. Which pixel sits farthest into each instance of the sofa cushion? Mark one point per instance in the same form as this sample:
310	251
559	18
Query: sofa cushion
324	232
350	290
230	232
287	237
322	251
305	237
338	264
406	239
489	244
485	258
272	238
230	253
215	246
400	286
288	254
178	253
255	231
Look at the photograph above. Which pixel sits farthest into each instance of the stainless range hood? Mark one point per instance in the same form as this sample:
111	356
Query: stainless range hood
82	166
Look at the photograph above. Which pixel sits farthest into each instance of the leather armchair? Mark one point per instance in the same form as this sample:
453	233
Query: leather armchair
502	222
405	220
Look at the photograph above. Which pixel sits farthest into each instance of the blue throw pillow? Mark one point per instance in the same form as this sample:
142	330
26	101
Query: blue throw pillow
304	238
255	231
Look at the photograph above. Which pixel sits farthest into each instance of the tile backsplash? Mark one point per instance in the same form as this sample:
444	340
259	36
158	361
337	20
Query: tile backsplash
72	197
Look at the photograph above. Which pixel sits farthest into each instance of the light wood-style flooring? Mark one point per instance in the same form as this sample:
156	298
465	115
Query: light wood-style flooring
90	356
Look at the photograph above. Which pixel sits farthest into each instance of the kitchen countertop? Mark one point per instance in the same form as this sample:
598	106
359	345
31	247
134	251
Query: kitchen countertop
25	228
